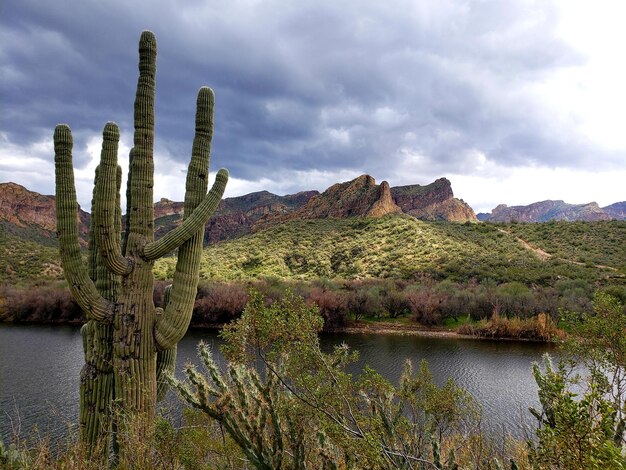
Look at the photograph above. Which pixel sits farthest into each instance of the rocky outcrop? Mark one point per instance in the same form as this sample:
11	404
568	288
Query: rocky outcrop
384	204
165	208
32	215
359	197
545	211
434	201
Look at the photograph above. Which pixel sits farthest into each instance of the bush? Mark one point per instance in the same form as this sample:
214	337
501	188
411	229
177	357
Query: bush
219	303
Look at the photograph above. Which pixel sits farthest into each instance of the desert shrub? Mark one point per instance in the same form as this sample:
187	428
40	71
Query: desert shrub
539	328
515	299
219	302
332	306
396	304
363	298
425	304
45	304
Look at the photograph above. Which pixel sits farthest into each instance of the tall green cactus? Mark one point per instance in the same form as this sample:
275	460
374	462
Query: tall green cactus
126	339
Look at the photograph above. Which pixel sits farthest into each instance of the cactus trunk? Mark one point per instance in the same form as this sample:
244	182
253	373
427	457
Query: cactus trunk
126	339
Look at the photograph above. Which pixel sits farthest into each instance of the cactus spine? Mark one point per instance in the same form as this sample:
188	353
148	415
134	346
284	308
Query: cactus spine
126	339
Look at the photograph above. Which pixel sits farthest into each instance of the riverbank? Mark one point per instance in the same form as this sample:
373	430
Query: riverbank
359	328
399	328
364	307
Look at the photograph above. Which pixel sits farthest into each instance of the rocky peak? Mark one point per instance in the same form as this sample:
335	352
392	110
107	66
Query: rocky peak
384	205
434	201
164	207
616	210
358	197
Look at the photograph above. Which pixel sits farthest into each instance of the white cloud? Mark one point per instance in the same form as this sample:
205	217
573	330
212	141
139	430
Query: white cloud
522	186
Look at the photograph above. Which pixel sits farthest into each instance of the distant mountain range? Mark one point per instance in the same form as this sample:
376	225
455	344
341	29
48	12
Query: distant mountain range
545	211
30	215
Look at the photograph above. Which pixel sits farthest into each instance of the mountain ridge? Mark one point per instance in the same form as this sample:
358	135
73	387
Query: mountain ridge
555	210
30	215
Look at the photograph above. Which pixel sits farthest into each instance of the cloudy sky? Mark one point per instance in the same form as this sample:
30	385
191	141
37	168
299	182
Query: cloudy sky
514	101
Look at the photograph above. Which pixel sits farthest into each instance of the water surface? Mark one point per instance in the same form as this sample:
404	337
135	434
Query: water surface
40	366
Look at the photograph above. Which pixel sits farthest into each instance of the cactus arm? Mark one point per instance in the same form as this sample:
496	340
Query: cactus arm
128	202
173	323
118	203
190	226
166	359
92	248
81	286
107	205
141	183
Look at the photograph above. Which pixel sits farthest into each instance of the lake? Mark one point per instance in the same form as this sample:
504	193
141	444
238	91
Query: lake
40	366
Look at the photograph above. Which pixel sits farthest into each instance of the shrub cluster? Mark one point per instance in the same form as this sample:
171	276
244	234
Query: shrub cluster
45	303
425	301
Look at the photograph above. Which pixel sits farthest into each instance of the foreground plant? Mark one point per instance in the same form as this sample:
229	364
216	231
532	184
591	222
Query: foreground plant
582	421
126	339
288	405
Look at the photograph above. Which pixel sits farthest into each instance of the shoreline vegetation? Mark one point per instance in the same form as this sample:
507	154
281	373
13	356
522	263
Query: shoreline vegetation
509	311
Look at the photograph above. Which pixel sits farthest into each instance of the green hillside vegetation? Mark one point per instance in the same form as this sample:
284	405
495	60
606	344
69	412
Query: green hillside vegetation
27	257
598	243
401	246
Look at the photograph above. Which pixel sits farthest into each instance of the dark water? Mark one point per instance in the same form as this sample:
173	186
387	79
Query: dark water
40	365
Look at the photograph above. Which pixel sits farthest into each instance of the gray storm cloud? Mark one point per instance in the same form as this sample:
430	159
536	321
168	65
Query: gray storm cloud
319	85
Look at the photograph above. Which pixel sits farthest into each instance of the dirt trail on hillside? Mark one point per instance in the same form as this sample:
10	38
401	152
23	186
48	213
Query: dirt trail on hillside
544	255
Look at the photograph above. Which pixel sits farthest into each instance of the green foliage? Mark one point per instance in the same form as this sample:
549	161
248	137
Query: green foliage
400	246
575	432
585	430
303	410
23	259
12	457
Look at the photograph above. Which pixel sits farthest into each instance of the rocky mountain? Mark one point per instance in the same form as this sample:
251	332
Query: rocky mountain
235	216
617	210
555	210
433	201
363	197
359	197
32	216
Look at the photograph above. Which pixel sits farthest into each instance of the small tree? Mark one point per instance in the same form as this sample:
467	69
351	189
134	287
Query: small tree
303	410
585	430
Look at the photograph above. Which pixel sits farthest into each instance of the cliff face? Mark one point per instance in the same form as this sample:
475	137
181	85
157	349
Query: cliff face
33	215
434	201
552	210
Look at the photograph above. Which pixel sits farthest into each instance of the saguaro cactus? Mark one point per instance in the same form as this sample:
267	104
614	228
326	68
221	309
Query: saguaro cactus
126	336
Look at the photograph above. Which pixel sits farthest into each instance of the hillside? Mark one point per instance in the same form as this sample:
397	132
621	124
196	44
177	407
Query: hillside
545	211
400	246
32	216
26	260
394	246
